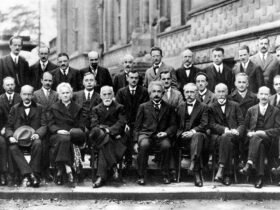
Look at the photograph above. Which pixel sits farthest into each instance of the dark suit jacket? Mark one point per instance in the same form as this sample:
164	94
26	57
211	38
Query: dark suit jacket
131	103
182	78
5	107
37	73
149	125
73	77
113	119
234	118
120	81
271	120
80	98
40	98
102	78
35	119
175	99
198	120
209	97
22	73
212	81
244	103
273	101
62	118
254	73
151	76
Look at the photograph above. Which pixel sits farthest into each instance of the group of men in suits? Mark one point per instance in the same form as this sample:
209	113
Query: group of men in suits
218	110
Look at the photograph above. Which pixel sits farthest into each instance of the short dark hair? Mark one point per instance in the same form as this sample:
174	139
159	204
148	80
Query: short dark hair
264	37
156	49
203	74
219	49
245	47
63	54
15	37
164	72
133	71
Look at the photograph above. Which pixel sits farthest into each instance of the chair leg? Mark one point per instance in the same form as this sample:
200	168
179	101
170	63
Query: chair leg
93	173
213	166
179	166
234	171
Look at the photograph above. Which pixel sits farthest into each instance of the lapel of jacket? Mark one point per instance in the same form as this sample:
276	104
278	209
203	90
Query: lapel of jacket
218	111
268	60
268	113
182	113
254	117
273	100
42	96
152	73
11	65
207	97
152	110
162	110
52	96
194	112
249	68
228	109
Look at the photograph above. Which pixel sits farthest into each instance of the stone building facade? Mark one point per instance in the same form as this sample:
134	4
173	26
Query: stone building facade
117	27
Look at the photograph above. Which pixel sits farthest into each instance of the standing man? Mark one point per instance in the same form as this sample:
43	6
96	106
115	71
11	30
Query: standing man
101	74
14	65
7	100
264	59
87	98
155	126
65	73
263	125
187	72
41	66
26	114
204	94
254	72
107	128
192	118
153	73
131	97
227	126
120	80
218	72
171	95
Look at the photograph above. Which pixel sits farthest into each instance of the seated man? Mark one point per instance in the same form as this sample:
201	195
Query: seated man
107	127
192	119
27	113
155	126
227	126
263	125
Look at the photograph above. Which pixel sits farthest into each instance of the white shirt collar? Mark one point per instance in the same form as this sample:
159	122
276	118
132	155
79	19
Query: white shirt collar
243	94
90	92
66	104
263	106
265	54
203	92
66	71
45	90
222	102
12	95
132	88
27	104
221	66
159	65
14	56
189	66
46	63
245	65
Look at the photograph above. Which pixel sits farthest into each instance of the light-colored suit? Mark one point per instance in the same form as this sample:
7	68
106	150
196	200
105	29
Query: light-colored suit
175	98
40	98
151	76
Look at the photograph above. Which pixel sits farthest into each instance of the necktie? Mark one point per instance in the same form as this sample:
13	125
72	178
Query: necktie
43	66
16	62
201	97
263	58
219	70
262	111
88	97
10	99
189	104
156	69
47	93
132	92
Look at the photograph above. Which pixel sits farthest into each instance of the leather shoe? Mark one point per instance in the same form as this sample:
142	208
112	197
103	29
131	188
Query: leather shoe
49	177
166	180
246	170
197	180
3	179
98	183
227	181
141	181
34	182
59	177
259	183
219	175
70	179
173	176
116	173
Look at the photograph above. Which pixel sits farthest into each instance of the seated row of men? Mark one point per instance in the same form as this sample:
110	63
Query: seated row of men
61	122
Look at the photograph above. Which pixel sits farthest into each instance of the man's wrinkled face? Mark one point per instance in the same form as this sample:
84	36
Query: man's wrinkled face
276	85
201	82
156	93
190	93
187	57
166	80
44	54
16	46
263	95
47	81
127	64
89	82
218	57
93	59
221	92
26	94
243	56
133	78
241	83
156	57
107	96
263	45
63	62
9	86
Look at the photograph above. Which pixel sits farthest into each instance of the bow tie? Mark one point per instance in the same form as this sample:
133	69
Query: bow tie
188	68
188	104
155	67
223	104
27	107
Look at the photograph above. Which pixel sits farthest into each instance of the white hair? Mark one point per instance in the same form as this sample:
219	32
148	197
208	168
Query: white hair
106	87
64	85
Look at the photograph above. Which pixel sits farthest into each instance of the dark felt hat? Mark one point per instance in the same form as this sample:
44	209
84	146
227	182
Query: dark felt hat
77	136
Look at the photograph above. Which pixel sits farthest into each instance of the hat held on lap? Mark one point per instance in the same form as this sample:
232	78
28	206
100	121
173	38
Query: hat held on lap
23	135
77	136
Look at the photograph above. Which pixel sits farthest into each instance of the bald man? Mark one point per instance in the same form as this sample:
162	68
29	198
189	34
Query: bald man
187	72
227	128
26	113
102	75
263	125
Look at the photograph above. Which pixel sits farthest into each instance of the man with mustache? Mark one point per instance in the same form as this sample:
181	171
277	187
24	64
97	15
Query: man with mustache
204	94
153	73
155	126
46	97
108	122
263	125
267	62
7	100
14	65
27	113
227	127
41	66
101	74
254	72
65	73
